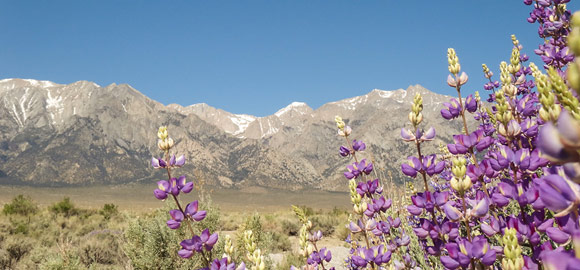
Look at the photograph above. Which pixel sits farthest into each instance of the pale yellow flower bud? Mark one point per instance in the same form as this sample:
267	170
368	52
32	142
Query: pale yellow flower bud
162	133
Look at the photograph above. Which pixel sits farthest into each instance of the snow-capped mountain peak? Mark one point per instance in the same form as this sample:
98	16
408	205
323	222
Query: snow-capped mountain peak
299	107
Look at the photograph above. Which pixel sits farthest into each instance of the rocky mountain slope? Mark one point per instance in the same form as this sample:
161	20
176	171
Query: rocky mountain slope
83	133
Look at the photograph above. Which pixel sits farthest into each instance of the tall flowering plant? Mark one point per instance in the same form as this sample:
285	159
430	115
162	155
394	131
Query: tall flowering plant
376	235
201	243
505	194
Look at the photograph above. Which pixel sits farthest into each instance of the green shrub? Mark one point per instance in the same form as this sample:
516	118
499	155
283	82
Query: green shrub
290	227
109	210
99	249
279	242
65	207
21	205
342	232
325	223
5	262
17	248
18	226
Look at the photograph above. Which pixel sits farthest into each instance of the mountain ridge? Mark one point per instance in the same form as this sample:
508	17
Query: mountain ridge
83	133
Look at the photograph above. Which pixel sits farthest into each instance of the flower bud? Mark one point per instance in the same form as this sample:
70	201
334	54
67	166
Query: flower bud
505	76
345	132
162	133
574	76
339	123
515	61
310	249
466	183
455	184
165	144
574	36
512	259
463	78
453	61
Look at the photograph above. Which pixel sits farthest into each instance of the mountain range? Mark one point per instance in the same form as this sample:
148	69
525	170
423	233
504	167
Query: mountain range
85	134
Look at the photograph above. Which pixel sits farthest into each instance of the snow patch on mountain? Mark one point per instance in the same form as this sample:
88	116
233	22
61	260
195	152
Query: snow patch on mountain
242	121
296	106
54	106
351	103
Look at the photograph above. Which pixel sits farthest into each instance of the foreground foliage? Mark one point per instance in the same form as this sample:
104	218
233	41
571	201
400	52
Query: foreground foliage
504	194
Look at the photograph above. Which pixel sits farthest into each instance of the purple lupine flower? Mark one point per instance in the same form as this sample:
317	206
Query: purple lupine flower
356	227
365	168
572	171
191	210
353	171
462	144
158	163
176	219
164	188
343	151
559	259
411	167
358	145
429	135
431	167
470	104
501	158
452	109
177	162
407	135
429	200
378	205
557	235
451	212
527	106
318	256
490	227
183	185
222	264
560	144
315	237
463	252
197	244
480	206
559	194
357	168
367	188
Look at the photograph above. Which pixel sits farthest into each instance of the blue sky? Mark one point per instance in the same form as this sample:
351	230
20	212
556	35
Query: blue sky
256	57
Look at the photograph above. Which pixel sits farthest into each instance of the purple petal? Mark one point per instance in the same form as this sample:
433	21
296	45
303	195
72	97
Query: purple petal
173	224
187	188
557	235
180	161
198	216
184	253
176	215
191	208
160	194
449	263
